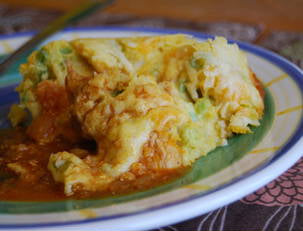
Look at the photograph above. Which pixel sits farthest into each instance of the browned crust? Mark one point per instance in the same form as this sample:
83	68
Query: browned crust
258	84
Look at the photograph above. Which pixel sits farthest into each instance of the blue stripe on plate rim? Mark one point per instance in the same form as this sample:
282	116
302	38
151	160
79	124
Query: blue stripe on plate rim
291	69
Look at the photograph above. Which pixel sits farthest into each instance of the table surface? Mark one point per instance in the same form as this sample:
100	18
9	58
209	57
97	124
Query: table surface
272	14
274	24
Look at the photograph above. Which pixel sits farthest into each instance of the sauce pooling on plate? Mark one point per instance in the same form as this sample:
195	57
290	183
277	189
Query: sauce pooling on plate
126	114
32	181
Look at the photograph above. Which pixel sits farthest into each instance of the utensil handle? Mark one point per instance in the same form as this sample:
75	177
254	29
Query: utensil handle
78	13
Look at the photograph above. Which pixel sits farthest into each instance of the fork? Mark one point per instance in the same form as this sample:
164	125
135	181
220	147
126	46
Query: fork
83	10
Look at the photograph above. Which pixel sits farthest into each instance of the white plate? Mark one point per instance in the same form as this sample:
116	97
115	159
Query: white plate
278	150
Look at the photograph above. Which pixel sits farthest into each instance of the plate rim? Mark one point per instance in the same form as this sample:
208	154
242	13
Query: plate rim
277	160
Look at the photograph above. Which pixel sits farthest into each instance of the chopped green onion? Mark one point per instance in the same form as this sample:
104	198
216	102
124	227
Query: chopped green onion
196	63
42	56
66	50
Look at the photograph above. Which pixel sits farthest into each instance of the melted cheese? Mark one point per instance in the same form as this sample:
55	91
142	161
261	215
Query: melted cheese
163	101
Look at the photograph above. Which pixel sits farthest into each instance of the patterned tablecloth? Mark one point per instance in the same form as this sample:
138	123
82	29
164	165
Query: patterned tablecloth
278	205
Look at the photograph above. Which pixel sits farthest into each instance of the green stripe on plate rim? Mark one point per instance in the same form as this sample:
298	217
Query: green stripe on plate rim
215	161
11	76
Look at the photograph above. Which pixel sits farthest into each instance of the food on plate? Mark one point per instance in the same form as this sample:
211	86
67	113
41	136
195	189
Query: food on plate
147	108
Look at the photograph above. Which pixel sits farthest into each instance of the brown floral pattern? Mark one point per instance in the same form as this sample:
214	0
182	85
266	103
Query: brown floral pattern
285	190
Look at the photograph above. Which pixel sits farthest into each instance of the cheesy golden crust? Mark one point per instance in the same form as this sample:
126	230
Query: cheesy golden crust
161	101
